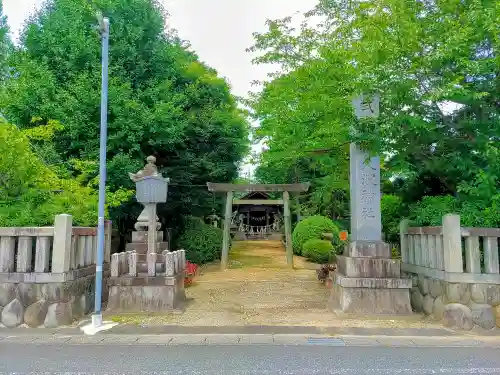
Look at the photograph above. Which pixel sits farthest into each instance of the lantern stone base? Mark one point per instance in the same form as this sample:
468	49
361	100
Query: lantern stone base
146	294
367	281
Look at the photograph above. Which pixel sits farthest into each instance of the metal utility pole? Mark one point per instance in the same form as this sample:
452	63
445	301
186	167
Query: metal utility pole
104	29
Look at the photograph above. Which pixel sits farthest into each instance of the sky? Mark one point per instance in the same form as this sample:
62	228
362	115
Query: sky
219	32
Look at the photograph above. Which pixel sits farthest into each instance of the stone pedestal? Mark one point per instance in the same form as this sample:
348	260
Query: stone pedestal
146	294
368	281
147	282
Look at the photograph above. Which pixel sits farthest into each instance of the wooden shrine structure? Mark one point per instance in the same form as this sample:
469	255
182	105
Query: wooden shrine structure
256	216
230	189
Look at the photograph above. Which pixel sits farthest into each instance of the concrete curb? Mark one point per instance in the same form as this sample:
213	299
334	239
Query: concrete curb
251	339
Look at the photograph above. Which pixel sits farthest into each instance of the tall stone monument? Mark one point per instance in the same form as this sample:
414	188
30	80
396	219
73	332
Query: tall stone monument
367	280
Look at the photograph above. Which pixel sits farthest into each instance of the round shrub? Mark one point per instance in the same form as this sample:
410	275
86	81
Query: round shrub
318	251
312	227
202	243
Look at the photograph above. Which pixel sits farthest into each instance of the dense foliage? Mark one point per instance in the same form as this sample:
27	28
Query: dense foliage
318	251
162	101
312	227
202	242
31	193
5	43
436	66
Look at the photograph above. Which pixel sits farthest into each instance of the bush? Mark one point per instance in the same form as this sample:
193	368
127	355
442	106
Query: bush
201	241
312	228
318	251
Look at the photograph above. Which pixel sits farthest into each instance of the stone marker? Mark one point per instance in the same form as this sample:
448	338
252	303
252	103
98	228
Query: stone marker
368	280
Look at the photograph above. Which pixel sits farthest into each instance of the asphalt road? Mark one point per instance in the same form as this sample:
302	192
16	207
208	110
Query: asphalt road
243	359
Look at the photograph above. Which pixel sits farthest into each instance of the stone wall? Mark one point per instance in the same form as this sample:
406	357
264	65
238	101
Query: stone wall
47	305
459	306
47	273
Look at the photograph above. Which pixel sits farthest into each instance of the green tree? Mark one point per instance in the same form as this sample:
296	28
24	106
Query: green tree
31	193
420	56
5	42
162	100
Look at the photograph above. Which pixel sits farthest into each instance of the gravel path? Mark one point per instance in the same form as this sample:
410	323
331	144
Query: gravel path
259	289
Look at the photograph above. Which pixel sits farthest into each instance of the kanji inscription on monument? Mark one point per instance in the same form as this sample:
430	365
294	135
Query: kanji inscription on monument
365	181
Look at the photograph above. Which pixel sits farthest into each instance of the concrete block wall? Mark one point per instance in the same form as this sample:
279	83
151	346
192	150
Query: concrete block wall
455	273
47	274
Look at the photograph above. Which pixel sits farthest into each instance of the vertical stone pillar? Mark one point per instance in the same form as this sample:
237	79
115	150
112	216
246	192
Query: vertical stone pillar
132	264
107	240
151	207
288	228
42	254
61	252
80	259
364	180
182	253
152	264
367	280
452	240
176	261
89	242
227	230
24	254
115	265
7	254
169	265
403	239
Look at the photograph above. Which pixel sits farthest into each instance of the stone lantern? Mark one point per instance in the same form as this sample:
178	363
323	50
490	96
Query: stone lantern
151	189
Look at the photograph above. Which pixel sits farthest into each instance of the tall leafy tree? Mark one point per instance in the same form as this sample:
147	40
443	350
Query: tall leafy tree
420	56
5	42
162	99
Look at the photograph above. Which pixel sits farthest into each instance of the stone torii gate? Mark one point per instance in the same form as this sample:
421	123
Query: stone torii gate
230	189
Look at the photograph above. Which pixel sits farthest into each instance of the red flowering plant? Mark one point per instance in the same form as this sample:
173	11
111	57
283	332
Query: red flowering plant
190	272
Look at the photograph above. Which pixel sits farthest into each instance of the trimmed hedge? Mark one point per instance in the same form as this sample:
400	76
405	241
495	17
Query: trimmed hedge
312	227
201	241
318	251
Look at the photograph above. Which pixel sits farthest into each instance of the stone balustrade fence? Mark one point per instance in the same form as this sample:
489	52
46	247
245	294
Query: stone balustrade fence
129	263
451	252
49	254
455	272
47	273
